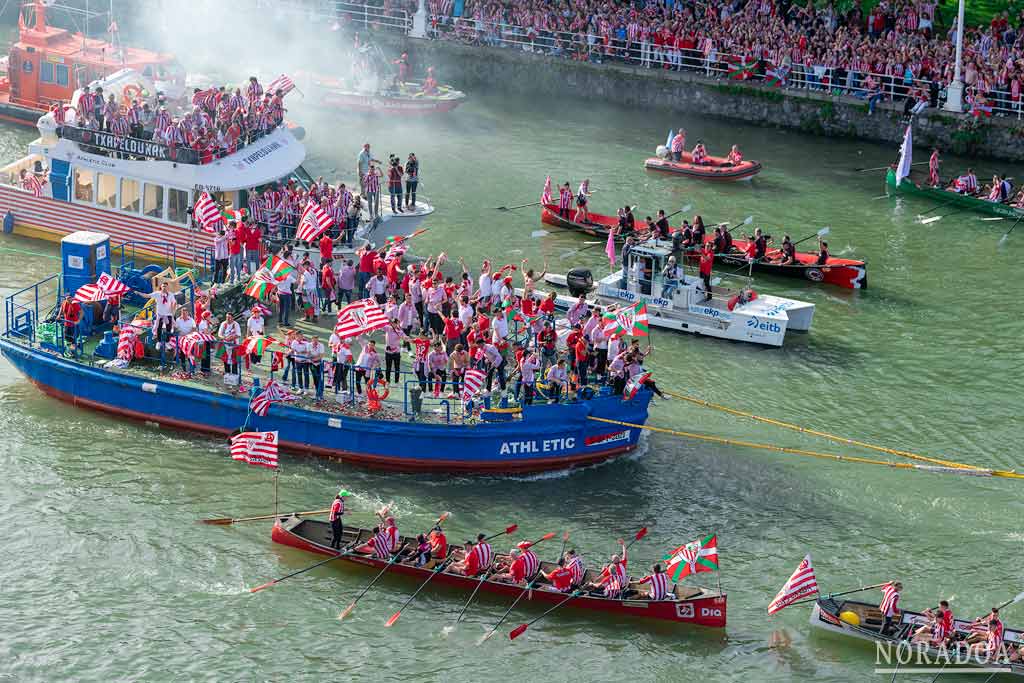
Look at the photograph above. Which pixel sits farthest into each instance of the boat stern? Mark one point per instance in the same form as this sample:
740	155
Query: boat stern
798	315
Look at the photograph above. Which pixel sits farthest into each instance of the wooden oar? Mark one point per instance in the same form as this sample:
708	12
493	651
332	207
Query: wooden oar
486	574
921	216
528	589
441	566
274	582
223	521
1006	236
513	208
932	219
1012	601
394	558
746	221
883	168
519	630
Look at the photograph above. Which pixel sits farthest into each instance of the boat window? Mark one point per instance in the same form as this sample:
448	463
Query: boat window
62	74
83	186
177	206
148	71
303	176
153	200
130	195
106	190
46	71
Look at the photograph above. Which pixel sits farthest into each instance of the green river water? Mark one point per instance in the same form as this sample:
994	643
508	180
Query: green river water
106	576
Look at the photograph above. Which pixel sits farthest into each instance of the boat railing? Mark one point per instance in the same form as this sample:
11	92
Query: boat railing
22	321
126	146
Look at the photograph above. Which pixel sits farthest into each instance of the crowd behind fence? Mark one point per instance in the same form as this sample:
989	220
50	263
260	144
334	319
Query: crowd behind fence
792	77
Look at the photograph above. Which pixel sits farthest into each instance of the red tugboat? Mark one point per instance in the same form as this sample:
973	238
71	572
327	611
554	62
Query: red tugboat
685	605
47	64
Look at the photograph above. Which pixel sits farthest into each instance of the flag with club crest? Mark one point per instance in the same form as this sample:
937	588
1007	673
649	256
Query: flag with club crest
802	584
313	223
206	212
697	556
633	385
282	83
255	448
359	318
630	321
191	344
104	287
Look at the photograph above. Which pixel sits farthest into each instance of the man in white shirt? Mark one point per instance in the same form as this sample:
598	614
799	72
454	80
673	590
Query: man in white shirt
300	356
220	256
316	366
184	325
166	305
284	299
230	333
557	378
493	361
377	287
342	361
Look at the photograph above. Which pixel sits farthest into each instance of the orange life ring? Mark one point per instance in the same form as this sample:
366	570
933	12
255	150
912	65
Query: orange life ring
129	93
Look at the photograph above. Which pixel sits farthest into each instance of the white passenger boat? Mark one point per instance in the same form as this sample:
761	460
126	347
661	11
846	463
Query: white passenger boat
745	315
143	191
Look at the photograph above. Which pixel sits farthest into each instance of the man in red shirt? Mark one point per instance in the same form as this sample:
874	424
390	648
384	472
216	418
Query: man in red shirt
547	339
560	578
367	259
70	315
328	285
235	237
253	242
707	258
582	353
326	245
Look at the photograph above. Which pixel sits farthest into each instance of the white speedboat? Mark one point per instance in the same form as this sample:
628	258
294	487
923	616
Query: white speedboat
740	315
143	191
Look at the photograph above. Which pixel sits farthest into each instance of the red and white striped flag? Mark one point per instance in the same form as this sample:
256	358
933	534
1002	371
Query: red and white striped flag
282	83
191	344
801	585
471	383
203	97
111	285
358	318
33	185
313	223
273	392
206	212
545	196
255	448
126	343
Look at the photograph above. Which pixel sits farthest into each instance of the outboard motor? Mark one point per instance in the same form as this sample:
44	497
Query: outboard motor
579	281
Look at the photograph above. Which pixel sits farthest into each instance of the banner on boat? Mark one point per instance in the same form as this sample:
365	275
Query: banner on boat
530	446
128	145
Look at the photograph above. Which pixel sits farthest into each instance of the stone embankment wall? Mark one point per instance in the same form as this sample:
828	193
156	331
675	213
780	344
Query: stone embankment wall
477	69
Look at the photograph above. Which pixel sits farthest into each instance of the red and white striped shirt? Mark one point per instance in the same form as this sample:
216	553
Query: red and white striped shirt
528	566
479	558
576	567
371	182
382	545
659	585
564	198
890	600
337	509
616	580
995	638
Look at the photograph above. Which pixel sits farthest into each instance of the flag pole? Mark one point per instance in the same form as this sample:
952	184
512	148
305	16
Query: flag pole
276	472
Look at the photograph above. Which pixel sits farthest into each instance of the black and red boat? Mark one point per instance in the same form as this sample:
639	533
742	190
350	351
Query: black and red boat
841	272
685	605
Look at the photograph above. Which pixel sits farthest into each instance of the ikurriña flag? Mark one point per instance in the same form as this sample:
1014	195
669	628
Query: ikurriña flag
697	556
255	448
801	584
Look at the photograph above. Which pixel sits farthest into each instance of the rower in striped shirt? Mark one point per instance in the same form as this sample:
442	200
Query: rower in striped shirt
614	578
659	582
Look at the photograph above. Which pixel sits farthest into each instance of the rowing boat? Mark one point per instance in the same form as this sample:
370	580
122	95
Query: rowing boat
686	604
863	620
596	225
841	272
952	199
848	273
407	99
716	168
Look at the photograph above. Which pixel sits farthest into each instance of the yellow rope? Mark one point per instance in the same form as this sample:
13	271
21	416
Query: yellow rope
840	439
973	471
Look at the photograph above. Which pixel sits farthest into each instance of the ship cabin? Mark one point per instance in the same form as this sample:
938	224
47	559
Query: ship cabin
47	64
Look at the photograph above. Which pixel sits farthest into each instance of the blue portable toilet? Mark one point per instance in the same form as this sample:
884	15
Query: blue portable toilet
84	257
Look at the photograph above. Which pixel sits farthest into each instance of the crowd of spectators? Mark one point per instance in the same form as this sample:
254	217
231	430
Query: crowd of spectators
904	44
